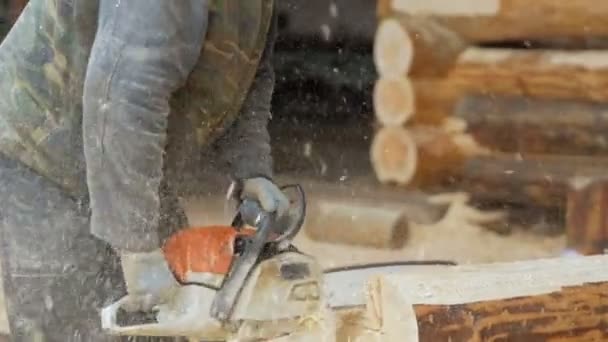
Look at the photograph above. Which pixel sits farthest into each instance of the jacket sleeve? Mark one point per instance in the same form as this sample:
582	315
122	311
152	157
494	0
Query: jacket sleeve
244	151
144	50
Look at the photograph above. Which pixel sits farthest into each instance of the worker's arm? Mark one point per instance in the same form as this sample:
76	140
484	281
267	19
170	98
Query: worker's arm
144	51
245	150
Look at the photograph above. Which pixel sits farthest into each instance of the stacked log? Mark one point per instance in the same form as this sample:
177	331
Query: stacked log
457	106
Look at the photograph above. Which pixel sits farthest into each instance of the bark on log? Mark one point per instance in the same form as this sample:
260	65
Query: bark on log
586	224
526	125
416	46
581	75
533	180
480	21
537	300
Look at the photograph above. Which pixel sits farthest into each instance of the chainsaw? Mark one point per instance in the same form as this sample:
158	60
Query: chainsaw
248	282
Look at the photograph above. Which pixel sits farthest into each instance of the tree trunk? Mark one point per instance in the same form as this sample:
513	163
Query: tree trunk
415	46
482	21
526	125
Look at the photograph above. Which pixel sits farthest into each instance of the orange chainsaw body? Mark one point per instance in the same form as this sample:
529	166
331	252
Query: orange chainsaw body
202	250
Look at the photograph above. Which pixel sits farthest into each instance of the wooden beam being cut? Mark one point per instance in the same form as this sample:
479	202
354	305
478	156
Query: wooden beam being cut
538	300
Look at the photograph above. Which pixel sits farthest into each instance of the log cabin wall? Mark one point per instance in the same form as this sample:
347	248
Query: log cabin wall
514	93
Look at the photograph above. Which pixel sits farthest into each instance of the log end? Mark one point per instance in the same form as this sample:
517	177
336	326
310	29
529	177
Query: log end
393	101
393	155
393	49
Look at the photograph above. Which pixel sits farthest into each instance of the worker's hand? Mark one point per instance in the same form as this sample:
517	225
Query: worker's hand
271	198
149	280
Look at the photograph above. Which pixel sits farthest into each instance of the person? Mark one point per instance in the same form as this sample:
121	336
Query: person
107	109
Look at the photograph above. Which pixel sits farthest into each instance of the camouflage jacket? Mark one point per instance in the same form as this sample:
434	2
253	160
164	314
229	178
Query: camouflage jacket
221	112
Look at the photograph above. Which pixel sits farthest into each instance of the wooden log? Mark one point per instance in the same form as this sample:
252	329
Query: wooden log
536	74
376	225
481	21
415	46
550	74
539	180
367	221
586	224
420	155
561	299
404	100
527	125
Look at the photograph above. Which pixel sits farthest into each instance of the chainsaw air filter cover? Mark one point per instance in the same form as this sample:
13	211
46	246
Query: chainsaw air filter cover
203	255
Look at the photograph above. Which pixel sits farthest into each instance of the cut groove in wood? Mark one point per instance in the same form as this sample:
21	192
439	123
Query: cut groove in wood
393	101
393	155
392	49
